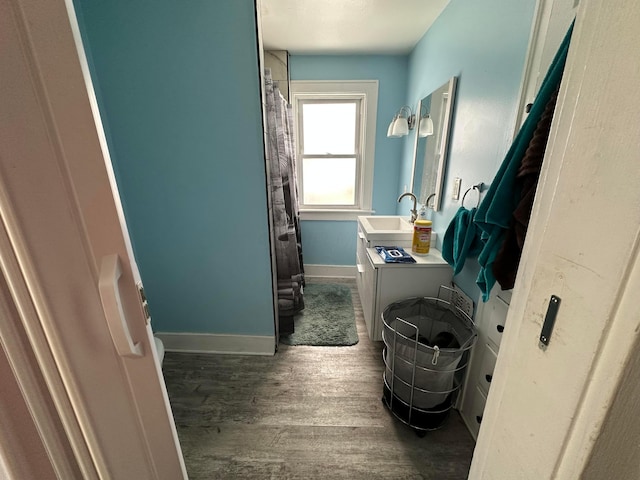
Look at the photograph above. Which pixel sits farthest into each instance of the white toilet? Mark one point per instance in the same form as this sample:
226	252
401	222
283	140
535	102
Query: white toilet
159	350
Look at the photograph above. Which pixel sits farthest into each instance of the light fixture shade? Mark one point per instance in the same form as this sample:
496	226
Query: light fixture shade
402	122
400	127
426	127
390	129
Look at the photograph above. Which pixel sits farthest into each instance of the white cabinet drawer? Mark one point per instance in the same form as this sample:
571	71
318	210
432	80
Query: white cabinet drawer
473	410
497	317
485	376
477	410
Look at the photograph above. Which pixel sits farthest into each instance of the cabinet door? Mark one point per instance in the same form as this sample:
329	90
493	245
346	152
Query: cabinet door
367	293
495	319
399	282
473	410
485	377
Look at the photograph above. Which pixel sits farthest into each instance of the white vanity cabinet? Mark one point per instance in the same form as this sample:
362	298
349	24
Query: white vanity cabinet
380	283
490	323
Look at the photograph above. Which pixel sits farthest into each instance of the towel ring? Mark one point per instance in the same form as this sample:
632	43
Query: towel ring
477	187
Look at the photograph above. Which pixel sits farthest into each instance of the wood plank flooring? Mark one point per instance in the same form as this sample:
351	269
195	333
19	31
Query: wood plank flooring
305	413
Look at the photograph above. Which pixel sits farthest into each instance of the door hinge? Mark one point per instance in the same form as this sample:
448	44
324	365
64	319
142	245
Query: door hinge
144	303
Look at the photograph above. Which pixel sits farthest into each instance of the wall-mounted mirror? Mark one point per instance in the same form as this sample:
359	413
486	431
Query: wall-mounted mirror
431	144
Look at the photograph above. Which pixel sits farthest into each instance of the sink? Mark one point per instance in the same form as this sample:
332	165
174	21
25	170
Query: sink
388	223
387	229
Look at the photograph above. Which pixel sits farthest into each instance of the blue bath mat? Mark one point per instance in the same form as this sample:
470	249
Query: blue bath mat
327	319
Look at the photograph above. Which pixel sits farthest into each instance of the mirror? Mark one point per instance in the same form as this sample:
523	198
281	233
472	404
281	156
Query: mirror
431	141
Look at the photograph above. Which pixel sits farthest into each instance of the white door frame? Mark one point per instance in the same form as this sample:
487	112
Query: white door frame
546	409
59	219
551	20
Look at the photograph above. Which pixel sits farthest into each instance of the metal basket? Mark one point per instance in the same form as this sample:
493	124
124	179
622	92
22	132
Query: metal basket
427	344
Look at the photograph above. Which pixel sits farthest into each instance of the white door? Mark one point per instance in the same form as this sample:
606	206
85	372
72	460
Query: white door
66	258
547	408
552	19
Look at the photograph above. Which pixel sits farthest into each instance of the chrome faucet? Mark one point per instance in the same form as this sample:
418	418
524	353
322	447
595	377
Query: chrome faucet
414	212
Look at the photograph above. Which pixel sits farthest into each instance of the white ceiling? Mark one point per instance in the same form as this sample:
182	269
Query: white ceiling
346	26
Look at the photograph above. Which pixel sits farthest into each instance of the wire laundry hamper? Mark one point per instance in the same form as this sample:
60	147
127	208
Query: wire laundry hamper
427	343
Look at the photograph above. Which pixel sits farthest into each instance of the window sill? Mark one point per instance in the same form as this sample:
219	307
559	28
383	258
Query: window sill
336	215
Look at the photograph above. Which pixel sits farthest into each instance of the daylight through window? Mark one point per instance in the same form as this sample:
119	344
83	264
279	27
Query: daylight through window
329	152
334	155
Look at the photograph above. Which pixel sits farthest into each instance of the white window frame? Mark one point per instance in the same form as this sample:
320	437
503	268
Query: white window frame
367	91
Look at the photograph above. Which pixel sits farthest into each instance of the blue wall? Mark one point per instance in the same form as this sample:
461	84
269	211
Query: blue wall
334	242
178	90
484	43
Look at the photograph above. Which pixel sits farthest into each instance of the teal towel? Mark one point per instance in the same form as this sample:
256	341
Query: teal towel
461	240
495	211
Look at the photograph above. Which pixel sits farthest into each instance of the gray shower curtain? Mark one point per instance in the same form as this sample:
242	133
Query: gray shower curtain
280	153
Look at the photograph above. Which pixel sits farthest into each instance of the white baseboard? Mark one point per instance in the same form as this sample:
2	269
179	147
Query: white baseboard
338	271
215	343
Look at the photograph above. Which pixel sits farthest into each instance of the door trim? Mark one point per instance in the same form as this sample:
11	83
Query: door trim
60	217
30	308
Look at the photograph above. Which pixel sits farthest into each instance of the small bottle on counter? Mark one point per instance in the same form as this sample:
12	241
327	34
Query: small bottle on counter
422	214
421	237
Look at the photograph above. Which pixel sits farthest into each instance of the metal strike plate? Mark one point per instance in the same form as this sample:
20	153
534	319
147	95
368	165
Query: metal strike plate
549	320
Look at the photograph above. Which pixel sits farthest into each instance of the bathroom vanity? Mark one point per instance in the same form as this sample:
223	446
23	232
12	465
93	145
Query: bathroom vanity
380	283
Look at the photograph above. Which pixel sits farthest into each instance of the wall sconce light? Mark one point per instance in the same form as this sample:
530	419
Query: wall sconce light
426	126
402	122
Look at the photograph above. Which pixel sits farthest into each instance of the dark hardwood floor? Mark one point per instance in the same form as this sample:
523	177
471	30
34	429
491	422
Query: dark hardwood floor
305	413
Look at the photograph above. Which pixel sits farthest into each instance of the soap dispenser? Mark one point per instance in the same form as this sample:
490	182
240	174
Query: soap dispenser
422	214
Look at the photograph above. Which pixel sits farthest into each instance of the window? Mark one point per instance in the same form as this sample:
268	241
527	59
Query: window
335	138
329	151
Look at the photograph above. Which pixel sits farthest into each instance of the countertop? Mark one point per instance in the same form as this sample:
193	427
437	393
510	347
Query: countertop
434	258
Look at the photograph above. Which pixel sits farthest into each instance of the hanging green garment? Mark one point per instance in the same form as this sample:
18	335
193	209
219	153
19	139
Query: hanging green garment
461	239
494	213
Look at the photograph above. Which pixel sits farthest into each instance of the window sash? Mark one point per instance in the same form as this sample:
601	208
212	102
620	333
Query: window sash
359	100
356	125
321	176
